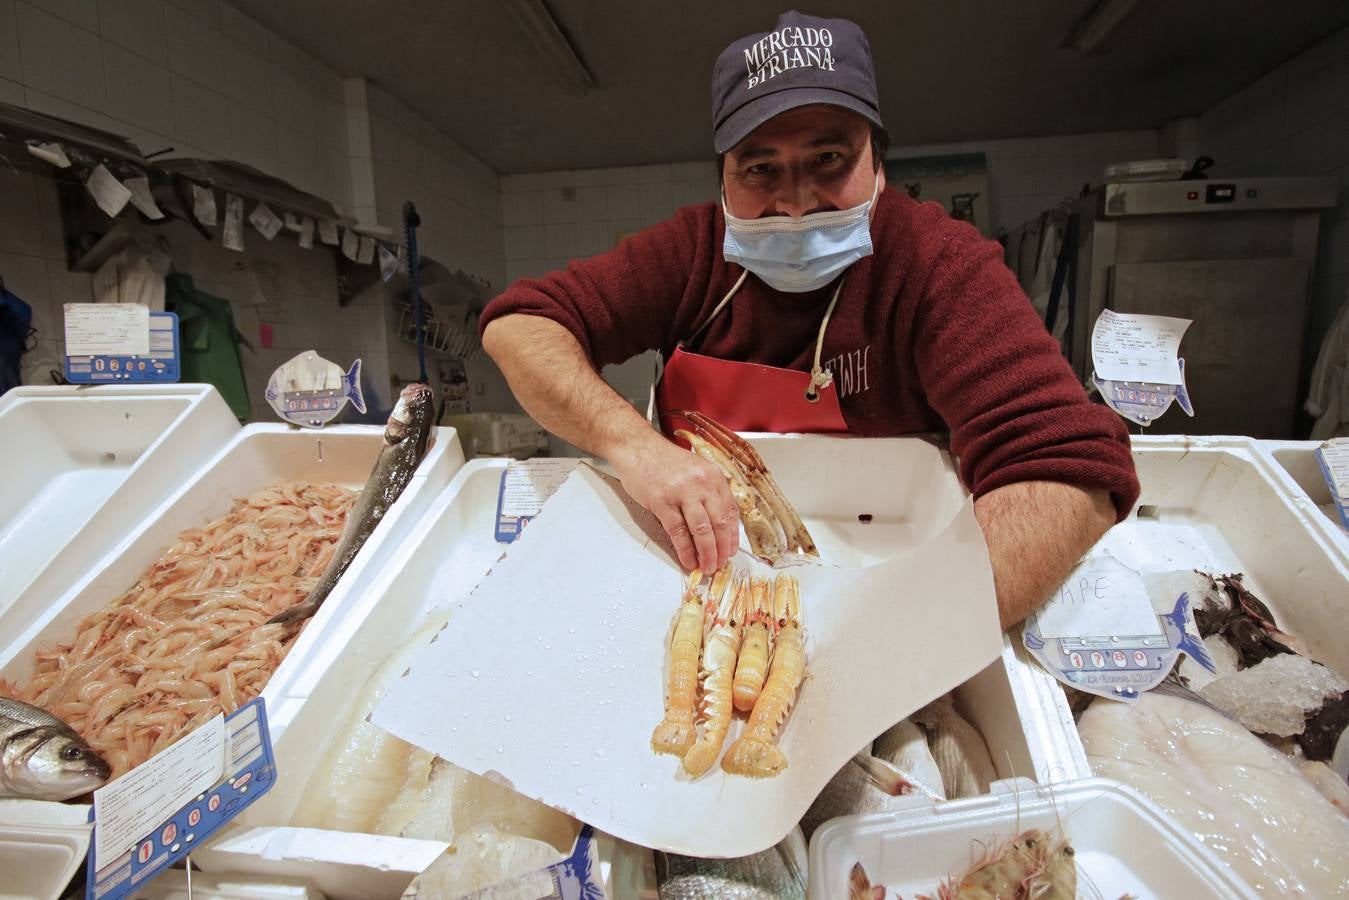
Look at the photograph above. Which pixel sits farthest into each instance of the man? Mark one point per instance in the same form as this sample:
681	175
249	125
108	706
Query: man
856	309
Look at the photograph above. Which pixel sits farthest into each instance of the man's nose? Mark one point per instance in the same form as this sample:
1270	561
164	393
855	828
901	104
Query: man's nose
796	198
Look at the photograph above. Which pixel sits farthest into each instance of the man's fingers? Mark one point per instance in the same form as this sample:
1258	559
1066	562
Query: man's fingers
704	539
725	523
672	520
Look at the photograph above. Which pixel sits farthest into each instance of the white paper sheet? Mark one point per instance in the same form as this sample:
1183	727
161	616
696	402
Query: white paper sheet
1137	347
1101	598
553	672
142	799
107	329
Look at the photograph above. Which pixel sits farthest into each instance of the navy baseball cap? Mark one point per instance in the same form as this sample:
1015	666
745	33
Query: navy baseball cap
802	61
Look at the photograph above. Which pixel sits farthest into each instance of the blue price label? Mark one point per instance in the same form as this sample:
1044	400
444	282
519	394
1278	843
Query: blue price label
159	366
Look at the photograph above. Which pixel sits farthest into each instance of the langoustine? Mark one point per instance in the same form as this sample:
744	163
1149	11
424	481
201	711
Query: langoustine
721	647
675	733
755	753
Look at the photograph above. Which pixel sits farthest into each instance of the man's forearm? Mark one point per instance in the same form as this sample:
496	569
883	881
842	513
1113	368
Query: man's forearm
558	386
1036	532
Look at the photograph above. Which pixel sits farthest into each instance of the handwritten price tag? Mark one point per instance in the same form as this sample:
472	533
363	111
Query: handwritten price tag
1101	598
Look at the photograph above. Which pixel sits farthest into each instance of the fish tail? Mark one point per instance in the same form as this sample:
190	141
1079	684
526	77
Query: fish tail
353	379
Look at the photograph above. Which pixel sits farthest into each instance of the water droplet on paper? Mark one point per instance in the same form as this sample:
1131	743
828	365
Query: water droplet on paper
579	792
508	718
599	753
571	631
501	749
475	673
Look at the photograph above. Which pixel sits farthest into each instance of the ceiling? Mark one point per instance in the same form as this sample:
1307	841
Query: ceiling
948	71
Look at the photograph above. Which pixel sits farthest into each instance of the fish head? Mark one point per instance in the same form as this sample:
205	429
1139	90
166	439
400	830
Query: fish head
51	763
411	415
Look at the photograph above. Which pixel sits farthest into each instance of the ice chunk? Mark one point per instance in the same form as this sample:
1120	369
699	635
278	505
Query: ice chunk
1275	695
1224	658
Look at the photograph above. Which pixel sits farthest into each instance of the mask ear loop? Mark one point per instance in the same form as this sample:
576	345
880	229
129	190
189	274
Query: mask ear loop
821	377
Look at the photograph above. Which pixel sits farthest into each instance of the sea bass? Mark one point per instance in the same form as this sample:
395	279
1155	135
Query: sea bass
407	438
42	758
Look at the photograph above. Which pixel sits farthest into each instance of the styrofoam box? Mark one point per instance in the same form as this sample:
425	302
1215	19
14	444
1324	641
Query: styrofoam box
908	491
1211	504
257	456
1295	464
42	845
1123	844
83	464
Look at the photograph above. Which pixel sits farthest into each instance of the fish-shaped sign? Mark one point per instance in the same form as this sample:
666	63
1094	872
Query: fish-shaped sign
309	390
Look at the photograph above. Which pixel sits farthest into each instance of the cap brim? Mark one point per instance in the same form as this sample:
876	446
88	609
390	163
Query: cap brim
744	120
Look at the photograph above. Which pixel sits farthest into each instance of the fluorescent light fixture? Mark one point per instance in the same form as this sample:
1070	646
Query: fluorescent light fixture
537	23
1099	25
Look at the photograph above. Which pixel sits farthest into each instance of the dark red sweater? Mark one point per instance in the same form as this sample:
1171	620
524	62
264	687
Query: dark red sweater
931	332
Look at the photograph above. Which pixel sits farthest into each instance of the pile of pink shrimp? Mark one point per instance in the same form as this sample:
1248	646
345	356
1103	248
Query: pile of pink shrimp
188	640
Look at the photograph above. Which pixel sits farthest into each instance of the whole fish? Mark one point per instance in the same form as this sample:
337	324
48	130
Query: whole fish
407	438
778	873
42	758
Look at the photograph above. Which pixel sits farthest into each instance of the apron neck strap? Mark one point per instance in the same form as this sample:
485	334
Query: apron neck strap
820	377
698	332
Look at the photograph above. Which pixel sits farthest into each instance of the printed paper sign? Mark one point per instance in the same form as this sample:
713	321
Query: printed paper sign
292	221
203	205
107	329
350	243
1137	348
307	233
109	193
142	199
1101	598
328	232
265	221
51	152
525	486
140	800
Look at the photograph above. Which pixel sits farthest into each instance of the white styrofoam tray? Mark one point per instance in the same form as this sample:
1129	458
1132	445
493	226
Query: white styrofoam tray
1215	505
84	464
42	845
1022	717
1123	844
257	456
1294	464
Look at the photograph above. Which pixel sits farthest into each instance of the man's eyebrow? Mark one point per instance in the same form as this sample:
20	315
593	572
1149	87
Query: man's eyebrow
753	152
833	137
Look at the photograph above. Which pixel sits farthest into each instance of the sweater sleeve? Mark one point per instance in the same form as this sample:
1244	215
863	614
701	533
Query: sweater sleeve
990	369
625	301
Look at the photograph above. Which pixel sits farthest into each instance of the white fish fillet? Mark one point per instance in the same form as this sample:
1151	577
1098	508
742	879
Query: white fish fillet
957	746
1241	798
484	857
1327	781
905	747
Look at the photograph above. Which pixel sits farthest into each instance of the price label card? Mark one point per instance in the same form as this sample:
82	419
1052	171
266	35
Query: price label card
1102	632
110	194
1137	348
164	808
1333	457
525	486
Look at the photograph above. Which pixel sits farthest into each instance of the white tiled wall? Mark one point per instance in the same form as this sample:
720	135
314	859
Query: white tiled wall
1295	121
195	75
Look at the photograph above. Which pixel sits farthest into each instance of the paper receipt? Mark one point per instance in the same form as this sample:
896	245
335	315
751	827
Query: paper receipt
1137	347
107	329
529	483
135	804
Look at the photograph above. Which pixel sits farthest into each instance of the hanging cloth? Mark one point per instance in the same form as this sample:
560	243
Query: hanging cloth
209	341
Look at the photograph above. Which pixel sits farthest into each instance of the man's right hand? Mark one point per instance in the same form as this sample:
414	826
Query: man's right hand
689	496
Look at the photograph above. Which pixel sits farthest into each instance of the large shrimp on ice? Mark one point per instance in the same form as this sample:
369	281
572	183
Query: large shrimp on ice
752	667
754	753
720	648
675	732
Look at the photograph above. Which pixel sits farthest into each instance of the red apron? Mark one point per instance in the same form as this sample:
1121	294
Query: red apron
748	396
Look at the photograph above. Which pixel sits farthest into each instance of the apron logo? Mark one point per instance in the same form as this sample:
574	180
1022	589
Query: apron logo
786	49
850	371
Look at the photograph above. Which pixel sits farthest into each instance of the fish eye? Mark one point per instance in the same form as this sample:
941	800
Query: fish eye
72	753
1068	849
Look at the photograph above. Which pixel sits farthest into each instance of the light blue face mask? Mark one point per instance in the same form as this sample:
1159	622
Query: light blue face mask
800	254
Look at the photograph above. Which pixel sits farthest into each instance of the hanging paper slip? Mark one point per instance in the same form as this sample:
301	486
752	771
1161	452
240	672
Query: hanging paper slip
203	205
307	233
365	255
328	232
265	221
110	194
51	152
388	263
232	236
142	199
350	243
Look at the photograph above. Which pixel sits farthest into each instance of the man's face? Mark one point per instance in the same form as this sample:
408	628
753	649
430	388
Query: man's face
809	159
